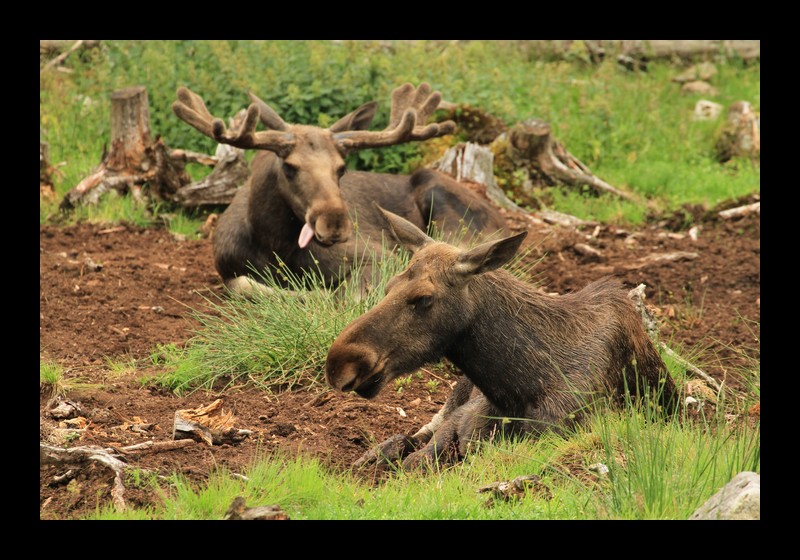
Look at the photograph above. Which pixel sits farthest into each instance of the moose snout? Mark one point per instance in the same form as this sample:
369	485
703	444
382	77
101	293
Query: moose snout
350	366
331	225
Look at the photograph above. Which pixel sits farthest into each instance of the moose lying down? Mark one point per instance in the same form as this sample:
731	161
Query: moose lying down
531	361
299	205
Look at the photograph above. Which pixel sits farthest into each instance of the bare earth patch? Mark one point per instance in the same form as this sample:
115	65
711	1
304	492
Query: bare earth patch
116	293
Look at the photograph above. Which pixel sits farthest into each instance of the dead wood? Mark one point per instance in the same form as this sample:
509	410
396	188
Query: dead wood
690	367
741	211
561	219
209	424
534	149
471	162
651	326
62	57
188	156
642	51
587	251
157	446
515	489
134	159
655	258
50	455
240	512
109	457
58	45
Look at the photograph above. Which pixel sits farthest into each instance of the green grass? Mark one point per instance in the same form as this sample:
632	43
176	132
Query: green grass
633	129
51	378
657	470
276	341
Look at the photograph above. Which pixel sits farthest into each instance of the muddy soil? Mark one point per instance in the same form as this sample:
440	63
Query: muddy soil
110	295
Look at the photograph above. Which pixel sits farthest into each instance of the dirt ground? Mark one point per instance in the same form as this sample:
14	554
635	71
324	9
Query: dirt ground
111	294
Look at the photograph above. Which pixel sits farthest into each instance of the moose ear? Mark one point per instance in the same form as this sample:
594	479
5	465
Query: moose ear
409	236
489	256
360	119
269	117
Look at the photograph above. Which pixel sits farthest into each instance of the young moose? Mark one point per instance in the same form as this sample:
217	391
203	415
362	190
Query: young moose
300	204
531	361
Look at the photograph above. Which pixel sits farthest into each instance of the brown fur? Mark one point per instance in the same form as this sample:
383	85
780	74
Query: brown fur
299	184
529	356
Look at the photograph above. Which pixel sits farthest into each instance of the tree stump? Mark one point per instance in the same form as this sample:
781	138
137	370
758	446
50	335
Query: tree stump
533	148
473	163
134	160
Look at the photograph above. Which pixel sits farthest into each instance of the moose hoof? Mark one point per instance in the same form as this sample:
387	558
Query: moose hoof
391	450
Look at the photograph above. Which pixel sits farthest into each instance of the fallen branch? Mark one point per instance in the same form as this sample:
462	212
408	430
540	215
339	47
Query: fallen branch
651	326
50	455
157	446
210	424
741	211
188	156
62	57
561	219
239	511
662	257
691	367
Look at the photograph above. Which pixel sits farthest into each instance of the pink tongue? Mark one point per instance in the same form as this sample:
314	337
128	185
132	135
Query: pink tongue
306	235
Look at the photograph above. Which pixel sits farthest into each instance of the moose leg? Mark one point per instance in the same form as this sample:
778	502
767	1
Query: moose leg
474	420
399	446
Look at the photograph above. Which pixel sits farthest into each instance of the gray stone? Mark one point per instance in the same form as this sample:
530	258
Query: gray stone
739	499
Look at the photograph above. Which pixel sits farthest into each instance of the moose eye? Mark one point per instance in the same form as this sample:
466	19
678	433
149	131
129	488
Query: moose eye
289	170
421	302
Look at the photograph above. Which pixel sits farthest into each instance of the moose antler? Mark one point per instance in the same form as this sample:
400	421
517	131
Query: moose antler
190	108
411	108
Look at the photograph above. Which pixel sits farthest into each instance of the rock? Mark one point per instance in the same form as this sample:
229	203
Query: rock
703	71
699	86
739	499
705	110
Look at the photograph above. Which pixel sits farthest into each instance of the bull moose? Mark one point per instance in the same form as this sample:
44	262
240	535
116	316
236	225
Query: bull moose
300	203
531	361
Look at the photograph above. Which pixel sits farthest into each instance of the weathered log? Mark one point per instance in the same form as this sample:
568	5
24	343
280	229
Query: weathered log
50	455
209	424
240	512
546	160
56	45
134	159
60	58
741	211
642	51
655	258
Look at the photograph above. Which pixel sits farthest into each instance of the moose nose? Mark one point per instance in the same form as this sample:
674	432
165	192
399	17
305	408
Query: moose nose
332	227
347	365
